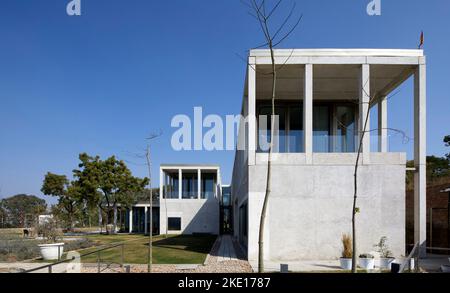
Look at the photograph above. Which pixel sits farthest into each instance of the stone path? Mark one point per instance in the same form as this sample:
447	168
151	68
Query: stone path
226	250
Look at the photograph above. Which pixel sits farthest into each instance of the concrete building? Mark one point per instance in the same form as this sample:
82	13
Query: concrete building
190	199
323	96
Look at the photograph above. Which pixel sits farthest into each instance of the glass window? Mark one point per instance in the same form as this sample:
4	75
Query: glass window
208	185
321	129
226	196
265	131
171	185
295	136
189	186
174	224
345	129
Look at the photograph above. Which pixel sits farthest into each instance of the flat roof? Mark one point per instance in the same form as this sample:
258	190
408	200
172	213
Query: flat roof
189	165
339	52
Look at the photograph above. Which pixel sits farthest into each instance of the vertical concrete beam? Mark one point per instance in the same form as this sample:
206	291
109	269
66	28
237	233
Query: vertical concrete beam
308	113
180	183
199	183
145	219
382	126
251	100
130	220
420	152
162	185
364	100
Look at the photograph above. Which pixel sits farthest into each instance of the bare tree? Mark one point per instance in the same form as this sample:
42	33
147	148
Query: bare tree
149	166
364	131
263	15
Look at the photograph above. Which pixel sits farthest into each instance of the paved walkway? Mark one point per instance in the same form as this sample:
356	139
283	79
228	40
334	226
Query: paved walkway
226	250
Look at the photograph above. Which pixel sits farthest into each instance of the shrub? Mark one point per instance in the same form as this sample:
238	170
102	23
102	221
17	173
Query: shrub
347	251
366	255
383	248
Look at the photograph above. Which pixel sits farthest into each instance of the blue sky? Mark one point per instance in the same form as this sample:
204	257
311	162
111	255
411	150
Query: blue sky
101	82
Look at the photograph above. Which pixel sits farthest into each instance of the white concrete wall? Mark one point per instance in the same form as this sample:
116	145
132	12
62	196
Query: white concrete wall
197	215
310	206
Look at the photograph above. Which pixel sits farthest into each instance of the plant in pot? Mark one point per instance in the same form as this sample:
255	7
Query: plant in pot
51	249
347	252
367	261
386	258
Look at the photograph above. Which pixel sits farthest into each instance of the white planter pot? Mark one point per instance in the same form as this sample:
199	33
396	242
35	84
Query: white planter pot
346	263
51	251
386	263
367	263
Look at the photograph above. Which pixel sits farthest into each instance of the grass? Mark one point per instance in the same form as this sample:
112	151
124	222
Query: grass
182	249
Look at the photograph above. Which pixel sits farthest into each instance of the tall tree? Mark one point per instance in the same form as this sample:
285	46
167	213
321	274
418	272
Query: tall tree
107	184
69	197
447	144
272	38
23	209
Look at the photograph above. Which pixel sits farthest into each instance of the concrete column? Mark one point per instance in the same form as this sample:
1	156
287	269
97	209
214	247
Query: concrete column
162	189
199	183
130	220
180	183
382	126
308	113
145	219
420	188
364	100
251	101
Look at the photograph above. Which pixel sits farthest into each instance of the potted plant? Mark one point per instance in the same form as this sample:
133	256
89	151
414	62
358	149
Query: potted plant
386	258
51	249
347	252
367	261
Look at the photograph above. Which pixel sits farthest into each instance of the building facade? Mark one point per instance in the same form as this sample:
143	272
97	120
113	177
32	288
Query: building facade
190	199
322	100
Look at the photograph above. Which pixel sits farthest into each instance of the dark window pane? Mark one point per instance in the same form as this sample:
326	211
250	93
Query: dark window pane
174	224
189	187
321	129
265	132
171	185
208	185
295	129
345	132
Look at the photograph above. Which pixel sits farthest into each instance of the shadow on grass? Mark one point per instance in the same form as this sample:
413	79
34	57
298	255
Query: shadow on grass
193	243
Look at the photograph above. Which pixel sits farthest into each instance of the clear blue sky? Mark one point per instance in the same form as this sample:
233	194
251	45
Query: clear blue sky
101	82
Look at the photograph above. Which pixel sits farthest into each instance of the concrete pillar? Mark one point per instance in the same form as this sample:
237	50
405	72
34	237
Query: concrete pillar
145	219
180	183
162	185
308	113
382	126
130	220
251	100
364	100
420	152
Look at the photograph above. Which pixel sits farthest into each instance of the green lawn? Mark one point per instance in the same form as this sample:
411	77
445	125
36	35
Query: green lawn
182	249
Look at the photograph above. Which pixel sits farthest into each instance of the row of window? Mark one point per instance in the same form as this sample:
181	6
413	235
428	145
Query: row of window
334	127
189	186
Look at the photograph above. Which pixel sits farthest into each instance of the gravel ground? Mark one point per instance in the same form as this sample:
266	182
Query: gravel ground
211	265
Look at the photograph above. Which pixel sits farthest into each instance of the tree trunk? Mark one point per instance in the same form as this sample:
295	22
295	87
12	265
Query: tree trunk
114	219
100	219
269	166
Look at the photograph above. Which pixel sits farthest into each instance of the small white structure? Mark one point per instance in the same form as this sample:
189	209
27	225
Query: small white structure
189	199
323	96
44	219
